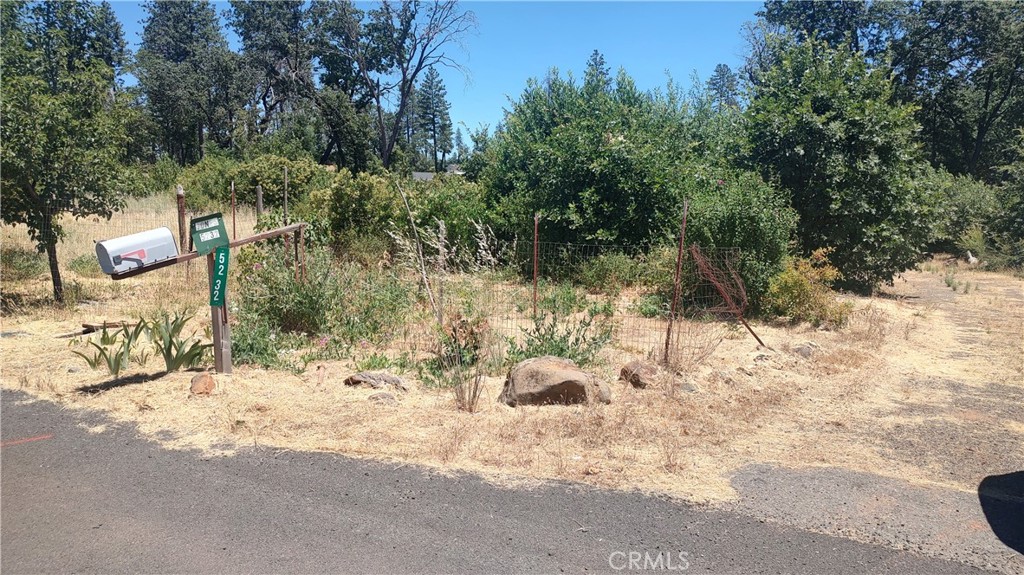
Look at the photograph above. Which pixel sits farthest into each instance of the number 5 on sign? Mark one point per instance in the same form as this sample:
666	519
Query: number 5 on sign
219	279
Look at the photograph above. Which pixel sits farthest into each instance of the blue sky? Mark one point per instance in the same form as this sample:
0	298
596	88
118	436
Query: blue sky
515	41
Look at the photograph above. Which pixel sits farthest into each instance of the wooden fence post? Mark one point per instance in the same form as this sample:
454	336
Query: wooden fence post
259	200
286	195
234	225
221	328
180	196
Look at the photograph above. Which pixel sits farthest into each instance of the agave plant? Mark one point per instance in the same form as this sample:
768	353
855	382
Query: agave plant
114	348
177	351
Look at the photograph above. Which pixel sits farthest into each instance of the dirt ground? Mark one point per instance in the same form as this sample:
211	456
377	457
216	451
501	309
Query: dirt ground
925	387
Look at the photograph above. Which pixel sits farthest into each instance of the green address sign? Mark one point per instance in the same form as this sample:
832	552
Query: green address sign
208	233
219	278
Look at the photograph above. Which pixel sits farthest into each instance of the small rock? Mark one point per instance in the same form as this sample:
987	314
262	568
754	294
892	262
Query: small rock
640	374
377	380
761	357
744	371
806	349
384	398
74	369
203	384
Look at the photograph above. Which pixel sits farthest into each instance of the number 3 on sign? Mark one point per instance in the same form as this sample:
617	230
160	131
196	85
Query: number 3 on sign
219	279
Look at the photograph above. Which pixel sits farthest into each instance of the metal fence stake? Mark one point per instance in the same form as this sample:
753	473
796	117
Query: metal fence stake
180	196
536	235
675	284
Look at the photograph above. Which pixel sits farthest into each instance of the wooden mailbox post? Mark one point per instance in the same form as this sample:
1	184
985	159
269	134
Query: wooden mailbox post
210	239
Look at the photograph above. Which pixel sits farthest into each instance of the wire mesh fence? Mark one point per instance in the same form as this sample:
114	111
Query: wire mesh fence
505	295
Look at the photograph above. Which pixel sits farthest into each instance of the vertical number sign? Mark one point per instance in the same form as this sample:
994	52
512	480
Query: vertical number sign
219	279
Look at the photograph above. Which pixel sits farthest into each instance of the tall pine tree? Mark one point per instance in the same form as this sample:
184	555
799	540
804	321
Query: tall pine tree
433	120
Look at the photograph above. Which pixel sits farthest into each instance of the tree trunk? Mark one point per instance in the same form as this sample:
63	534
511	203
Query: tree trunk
325	158
58	284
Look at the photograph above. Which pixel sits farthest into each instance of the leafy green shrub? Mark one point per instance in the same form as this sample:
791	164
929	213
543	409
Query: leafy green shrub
826	126
86	265
609	273
802	292
208	182
650	305
151	179
361	205
18	264
304	176
658	272
374	362
253	341
457	202
597	160
961	204
738	210
973	240
345	301
578	340
561	299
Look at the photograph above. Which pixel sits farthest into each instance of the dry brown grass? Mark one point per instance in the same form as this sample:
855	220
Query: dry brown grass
183	285
683	437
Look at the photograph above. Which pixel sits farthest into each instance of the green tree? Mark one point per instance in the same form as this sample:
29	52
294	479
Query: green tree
187	73
1008	226
961	63
823	125
386	49
474	162
597	77
276	42
723	87
461	149
63	129
600	162
433	120
836	22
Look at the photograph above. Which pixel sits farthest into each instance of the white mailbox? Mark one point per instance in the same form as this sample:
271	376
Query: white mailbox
136	251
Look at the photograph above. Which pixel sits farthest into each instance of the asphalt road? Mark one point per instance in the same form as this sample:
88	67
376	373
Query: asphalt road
73	501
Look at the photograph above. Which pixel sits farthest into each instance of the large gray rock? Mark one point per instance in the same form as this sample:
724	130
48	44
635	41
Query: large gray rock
552	380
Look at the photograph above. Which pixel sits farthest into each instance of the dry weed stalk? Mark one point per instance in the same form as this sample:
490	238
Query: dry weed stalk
871	325
418	245
692	343
452	442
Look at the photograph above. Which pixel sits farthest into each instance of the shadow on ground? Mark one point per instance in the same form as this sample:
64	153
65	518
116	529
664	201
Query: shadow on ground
121	382
1002	500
